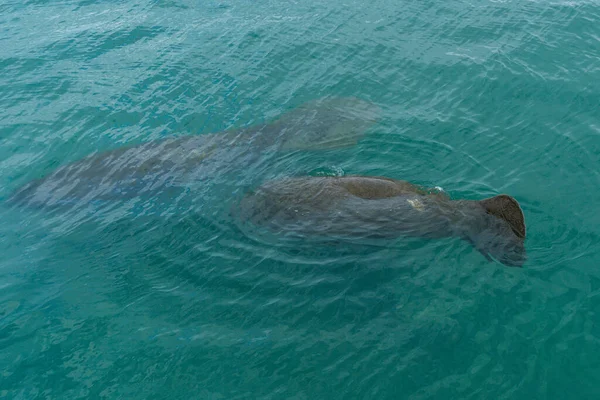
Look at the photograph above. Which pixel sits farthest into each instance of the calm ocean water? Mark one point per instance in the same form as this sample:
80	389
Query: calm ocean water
159	297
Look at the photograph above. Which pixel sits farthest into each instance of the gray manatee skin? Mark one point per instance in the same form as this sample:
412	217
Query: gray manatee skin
152	167
378	207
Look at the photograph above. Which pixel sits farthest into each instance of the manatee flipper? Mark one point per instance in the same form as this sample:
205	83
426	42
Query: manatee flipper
479	245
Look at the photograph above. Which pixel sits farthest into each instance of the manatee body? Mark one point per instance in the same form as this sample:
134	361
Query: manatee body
377	207
152	167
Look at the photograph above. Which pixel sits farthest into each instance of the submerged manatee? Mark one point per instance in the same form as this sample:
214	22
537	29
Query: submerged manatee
360	206
151	167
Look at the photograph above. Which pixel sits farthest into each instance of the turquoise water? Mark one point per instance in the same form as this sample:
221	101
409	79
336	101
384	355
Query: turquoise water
135	299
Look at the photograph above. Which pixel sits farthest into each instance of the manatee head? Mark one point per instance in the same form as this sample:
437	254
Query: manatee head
325	124
502	236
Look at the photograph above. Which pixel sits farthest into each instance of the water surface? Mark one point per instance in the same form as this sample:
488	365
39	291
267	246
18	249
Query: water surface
147	299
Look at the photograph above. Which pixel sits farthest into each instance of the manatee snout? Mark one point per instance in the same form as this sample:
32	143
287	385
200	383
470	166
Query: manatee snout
503	237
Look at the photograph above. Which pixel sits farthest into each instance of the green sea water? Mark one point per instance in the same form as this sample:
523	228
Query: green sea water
139	301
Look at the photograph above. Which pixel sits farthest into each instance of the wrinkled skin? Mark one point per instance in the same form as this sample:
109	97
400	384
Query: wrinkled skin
374	207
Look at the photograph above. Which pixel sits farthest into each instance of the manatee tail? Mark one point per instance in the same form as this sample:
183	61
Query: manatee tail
323	124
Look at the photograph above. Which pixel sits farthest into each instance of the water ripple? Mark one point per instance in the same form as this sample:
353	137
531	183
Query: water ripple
168	295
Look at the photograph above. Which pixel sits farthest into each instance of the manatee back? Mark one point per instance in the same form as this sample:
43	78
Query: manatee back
352	206
376	187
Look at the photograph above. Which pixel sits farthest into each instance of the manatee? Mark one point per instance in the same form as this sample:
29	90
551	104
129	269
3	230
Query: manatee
380	207
154	166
